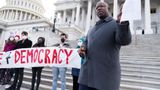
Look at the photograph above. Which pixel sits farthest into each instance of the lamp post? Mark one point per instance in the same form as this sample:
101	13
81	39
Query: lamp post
54	22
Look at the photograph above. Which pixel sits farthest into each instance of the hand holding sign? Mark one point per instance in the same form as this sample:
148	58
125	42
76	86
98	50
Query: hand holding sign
82	51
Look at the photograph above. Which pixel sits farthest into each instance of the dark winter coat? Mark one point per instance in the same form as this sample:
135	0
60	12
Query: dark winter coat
103	42
24	44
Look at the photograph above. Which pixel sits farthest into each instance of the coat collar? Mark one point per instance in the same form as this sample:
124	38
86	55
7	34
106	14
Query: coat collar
107	19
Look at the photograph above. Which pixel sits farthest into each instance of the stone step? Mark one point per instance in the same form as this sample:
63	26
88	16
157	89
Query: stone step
140	58
126	86
46	82
49	69
152	63
124	65
41	87
46	79
139	50
125	71
69	84
69	77
46	73
146	83
138	54
139	65
140	70
142	76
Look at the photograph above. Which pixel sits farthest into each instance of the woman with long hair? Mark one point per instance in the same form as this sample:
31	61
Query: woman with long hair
36	71
7	74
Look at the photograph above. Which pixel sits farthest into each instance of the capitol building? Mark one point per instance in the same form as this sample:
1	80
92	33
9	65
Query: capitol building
25	15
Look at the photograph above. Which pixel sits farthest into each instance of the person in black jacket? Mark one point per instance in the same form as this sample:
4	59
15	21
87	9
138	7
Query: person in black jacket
36	71
18	78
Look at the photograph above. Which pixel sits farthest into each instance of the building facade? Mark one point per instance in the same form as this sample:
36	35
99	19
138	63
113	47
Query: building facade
81	15
25	15
21	10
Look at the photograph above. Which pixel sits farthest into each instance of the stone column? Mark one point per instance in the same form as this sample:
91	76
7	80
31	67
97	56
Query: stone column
148	29
1	14
83	17
60	17
64	16
2	38
20	16
88	16
11	15
4	14
73	15
29	18
77	13
115	9
34	17
25	16
7	11
16	16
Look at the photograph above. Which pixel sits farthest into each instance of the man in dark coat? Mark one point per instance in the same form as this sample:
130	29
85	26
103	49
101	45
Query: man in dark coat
18	78
101	71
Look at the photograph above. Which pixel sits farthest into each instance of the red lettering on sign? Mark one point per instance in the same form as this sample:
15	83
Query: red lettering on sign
54	57
22	56
1	54
39	55
47	59
59	60
17	56
35	55
68	54
29	54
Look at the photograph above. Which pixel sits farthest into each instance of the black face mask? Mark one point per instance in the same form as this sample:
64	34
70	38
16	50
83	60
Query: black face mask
40	41
62	40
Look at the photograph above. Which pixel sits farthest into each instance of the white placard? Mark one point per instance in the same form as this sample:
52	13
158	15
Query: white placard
131	10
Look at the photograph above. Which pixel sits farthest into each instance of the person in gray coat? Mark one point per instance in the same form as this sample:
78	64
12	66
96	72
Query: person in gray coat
101	71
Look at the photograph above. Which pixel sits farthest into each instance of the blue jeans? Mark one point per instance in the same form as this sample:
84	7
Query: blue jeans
56	72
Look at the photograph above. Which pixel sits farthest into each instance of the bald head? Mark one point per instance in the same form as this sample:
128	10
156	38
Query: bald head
102	9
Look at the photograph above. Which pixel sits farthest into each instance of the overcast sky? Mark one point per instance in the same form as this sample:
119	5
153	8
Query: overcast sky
48	5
